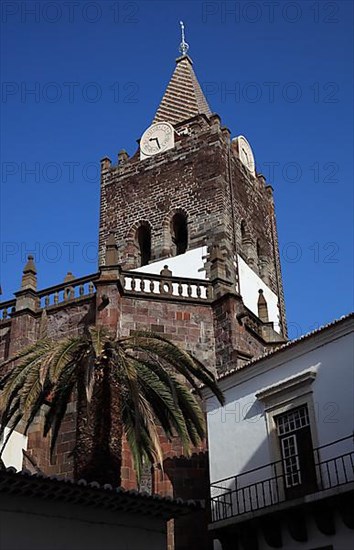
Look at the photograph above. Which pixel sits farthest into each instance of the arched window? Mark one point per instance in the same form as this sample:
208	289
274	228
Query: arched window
143	237
179	233
262	307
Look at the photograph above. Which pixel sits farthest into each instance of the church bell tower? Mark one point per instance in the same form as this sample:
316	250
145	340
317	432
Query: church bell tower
191	203
189	251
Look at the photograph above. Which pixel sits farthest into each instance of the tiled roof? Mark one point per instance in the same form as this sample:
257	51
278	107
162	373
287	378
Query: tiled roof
184	97
92	494
286	346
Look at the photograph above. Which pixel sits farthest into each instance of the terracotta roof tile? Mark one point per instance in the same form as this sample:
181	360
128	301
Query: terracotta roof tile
92	494
283	347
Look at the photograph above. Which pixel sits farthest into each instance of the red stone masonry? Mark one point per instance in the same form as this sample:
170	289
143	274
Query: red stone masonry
203	178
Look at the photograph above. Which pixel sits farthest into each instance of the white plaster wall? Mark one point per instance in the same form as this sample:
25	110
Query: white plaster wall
250	284
48	525
12	454
237	432
189	264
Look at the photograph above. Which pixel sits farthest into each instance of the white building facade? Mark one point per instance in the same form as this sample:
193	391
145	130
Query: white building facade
281	449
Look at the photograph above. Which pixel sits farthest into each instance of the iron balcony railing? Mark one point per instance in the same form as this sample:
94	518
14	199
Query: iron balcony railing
268	485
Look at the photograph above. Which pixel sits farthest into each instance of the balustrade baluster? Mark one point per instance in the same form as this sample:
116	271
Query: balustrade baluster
81	290
4	313
257	500
91	287
132	283
180	289
263	493
152	286
336	470
344	470
56	297
329	476
142	285
46	301
189	290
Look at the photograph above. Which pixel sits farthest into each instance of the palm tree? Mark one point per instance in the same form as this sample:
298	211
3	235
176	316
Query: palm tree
129	385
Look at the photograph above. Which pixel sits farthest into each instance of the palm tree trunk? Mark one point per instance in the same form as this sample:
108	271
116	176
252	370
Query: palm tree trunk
98	451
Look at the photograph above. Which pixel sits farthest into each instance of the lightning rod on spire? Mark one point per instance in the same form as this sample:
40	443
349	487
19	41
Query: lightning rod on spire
183	47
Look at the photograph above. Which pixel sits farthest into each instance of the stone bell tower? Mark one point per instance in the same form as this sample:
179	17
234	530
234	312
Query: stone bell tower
189	250
190	198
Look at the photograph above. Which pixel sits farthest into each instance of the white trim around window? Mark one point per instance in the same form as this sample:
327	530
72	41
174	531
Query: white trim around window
280	398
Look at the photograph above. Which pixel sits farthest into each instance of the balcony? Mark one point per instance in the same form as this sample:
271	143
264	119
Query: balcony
270	485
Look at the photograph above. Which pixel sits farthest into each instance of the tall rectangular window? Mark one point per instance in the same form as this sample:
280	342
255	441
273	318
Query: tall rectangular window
295	441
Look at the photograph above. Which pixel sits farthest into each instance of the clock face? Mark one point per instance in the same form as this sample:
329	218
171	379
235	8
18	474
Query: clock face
156	139
245	153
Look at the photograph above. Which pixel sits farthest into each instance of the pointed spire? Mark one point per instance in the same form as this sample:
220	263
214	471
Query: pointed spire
262	307
29	277
69	277
30	267
184	97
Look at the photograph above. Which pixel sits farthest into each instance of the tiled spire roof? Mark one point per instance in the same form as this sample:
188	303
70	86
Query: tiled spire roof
184	97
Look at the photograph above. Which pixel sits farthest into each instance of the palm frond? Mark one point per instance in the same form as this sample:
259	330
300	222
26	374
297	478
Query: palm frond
59	403
89	375
8	414
129	375
99	337
161	392
147	370
36	406
142	449
186	364
66	352
20	372
11	427
27	350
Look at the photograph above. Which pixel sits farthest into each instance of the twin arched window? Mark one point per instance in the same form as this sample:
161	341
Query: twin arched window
178	234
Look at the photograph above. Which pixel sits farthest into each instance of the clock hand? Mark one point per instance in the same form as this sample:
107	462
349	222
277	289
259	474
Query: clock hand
157	141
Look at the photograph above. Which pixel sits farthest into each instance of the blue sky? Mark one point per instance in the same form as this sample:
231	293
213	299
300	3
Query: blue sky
82	80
